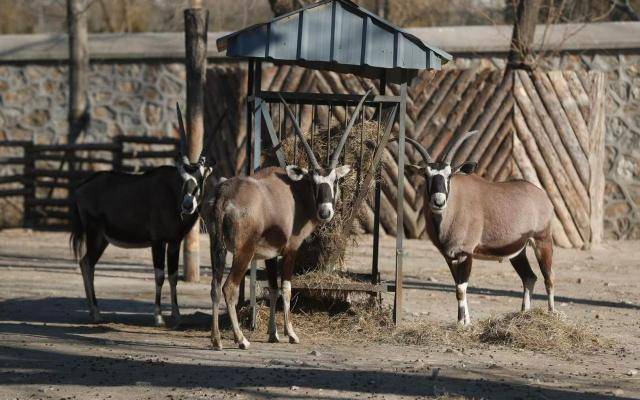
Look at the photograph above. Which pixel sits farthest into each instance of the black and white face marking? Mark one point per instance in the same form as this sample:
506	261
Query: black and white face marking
326	188
438	176
438	180
193	176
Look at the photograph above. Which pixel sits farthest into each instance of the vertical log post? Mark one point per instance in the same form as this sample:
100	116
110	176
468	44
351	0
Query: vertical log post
195	29
397	304
524	28
597	154
78	68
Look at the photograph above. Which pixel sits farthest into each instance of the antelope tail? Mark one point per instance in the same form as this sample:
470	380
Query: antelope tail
217	236
78	231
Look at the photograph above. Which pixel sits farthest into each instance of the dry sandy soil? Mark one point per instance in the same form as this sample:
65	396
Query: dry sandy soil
49	350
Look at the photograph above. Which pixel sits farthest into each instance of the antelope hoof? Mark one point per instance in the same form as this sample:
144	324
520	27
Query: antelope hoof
158	320
464	323
176	320
244	344
96	317
216	343
293	338
274	338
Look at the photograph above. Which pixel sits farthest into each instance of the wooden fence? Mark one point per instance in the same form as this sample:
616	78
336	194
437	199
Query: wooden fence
546	127
42	175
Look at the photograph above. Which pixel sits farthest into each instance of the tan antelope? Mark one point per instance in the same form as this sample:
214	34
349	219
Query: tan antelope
264	216
469	217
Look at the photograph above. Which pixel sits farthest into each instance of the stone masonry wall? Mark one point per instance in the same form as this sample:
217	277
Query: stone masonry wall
125	99
138	98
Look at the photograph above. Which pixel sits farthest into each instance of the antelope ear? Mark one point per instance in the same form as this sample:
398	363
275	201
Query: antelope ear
295	173
342	171
466	168
414	169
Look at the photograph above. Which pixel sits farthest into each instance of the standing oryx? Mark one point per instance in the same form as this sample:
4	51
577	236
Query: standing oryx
155	209
469	217
264	216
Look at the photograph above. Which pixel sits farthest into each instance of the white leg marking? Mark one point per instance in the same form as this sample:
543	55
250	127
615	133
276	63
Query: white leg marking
526	297
273	327
550	295
157	313
286	299
463	307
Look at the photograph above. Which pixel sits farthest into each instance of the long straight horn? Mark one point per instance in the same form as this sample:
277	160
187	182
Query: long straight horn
212	134
181	131
345	134
298	131
456	145
423	152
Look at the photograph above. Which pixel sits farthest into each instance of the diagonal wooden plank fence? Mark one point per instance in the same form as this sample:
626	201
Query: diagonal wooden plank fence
546	127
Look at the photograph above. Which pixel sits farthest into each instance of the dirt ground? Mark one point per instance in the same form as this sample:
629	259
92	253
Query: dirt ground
49	350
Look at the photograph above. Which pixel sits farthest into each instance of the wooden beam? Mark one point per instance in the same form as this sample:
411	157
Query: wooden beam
195	25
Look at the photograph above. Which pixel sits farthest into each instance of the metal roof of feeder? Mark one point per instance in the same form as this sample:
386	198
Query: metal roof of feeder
336	35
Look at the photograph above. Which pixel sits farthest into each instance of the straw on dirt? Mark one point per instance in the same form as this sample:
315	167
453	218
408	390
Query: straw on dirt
535	330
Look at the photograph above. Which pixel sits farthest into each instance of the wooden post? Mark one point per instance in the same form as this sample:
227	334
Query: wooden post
397	305
78	68
524	28
195	29
29	185
597	154
382	8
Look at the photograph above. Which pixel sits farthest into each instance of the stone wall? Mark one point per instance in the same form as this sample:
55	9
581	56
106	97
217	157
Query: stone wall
125	99
137	96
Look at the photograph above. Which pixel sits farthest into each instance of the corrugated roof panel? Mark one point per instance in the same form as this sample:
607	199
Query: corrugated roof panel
252	44
348	36
316	33
336	35
379	45
434	60
283	38
410	55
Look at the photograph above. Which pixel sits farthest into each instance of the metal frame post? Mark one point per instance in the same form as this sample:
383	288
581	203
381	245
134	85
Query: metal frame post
375	275
257	149
397	309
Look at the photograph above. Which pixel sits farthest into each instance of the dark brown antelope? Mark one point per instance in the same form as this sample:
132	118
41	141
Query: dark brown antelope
155	209
264	216
469	217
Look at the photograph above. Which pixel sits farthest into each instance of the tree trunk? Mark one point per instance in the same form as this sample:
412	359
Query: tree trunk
524	28
195	24
78	68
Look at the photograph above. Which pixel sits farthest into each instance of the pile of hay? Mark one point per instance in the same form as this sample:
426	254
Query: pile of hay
538	330
534	330
325	249
362	323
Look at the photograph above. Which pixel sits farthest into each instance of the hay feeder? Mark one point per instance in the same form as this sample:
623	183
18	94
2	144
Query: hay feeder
339	36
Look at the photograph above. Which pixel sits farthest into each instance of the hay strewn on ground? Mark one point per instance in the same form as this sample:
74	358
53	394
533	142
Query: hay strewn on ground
535	330
325	249
538	330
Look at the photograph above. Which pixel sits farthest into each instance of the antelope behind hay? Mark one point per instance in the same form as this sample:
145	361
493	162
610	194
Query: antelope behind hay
469	217
264	216
155	209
